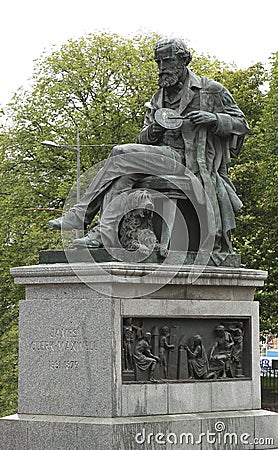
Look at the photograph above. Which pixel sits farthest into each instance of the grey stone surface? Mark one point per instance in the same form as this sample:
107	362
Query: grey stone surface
70	342
255	338
60	291
175	292
67	357
13	434
184	435
157	399
231	395
52	435
175	308
144	399
231	433
130	280
134	402
266	430
65	321
163	433
144	307
207	308
220	293
190	397
95	436
180	431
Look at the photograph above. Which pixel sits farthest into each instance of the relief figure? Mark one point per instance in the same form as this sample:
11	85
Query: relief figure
220	355
143	357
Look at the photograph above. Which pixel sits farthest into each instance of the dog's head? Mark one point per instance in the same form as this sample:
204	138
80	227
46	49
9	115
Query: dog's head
141	201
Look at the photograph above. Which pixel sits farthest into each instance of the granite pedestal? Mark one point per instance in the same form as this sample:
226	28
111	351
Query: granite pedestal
71	388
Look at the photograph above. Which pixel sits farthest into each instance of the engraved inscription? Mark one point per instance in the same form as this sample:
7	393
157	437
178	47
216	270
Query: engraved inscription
64	345
63	339
72	346
57	364
63	333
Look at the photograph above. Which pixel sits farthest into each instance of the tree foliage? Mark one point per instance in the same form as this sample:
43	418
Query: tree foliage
256	179
98	85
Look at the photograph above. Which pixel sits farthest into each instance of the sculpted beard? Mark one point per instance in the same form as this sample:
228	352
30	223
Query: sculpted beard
170	78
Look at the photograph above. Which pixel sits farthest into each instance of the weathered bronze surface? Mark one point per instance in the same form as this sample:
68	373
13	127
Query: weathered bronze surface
192	128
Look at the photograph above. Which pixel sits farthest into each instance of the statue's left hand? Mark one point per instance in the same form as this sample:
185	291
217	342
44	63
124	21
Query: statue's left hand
202	117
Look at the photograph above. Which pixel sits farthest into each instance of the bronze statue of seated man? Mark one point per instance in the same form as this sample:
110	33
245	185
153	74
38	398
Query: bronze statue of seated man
207	129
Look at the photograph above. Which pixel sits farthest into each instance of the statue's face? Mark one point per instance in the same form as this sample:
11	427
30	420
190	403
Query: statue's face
169	65
148	336
220	331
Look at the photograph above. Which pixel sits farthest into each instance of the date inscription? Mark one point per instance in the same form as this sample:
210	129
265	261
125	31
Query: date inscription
59	364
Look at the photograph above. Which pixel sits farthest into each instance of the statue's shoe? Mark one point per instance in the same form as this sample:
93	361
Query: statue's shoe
91	240
67	222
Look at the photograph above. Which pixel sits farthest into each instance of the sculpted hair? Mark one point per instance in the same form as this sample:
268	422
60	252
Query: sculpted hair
178	46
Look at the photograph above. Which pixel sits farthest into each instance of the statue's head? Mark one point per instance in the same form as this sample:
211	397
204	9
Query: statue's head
172	57
165	331
172	47
147	336
197	339
220	329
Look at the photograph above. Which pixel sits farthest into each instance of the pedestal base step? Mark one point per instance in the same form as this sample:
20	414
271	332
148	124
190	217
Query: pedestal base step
102	255
231	430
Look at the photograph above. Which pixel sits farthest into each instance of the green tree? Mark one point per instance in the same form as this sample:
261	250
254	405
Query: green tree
256	178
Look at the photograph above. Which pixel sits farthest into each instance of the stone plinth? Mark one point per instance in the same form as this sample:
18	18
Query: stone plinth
70	356
70	337
240	431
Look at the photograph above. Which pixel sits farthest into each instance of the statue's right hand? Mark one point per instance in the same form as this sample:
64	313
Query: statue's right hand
157	129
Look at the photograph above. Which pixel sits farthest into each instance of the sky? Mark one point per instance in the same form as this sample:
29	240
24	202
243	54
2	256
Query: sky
236	31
